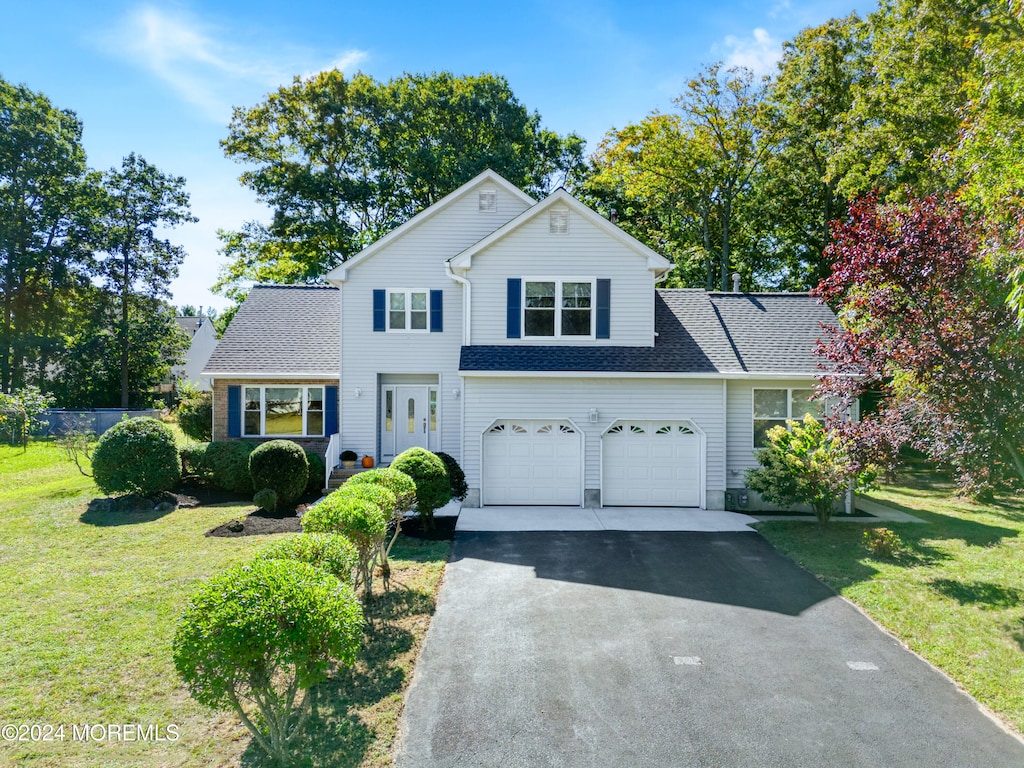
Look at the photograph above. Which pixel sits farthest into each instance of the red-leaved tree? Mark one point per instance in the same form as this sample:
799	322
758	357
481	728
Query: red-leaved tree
923	316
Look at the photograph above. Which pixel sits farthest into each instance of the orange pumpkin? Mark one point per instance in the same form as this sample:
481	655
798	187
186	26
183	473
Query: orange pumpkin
367	462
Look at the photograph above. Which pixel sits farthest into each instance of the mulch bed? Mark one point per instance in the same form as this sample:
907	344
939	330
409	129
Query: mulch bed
258	523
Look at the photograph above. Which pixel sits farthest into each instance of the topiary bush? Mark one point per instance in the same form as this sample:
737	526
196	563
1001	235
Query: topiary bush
266	499
403	489
227	464
282	466
356	517
136	456
433	489
317	472
256	638
195	414
329	551
456	477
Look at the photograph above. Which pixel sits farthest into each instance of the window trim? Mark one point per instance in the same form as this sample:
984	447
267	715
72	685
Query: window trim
789	409
304	390
408	292
559	309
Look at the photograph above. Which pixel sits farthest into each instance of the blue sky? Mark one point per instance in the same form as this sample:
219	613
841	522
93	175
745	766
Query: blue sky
160	79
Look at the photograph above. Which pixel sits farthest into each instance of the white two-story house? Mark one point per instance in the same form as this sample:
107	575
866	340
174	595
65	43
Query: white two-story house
530	341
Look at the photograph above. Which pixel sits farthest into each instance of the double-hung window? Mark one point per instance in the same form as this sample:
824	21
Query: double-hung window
407	311
558	308
283	410
774	407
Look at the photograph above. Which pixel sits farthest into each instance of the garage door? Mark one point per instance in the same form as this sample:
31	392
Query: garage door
650	464
532	462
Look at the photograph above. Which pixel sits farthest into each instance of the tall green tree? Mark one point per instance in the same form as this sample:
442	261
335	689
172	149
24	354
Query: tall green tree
43	197
796	191
341	161
134	262
682	178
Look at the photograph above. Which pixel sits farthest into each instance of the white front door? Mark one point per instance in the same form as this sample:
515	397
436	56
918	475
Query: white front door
412	418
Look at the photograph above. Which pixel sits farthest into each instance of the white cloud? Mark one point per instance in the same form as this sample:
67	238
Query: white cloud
759	52
201	64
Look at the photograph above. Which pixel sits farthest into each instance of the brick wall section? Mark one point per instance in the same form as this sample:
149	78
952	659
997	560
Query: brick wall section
220	409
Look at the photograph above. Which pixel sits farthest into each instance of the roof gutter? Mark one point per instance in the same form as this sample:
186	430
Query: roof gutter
467	302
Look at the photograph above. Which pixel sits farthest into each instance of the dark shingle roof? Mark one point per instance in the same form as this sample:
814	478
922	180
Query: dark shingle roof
282	329
697	333
773	332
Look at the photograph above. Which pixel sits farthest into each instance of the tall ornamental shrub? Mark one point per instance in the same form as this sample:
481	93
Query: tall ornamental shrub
433	489
806	464
357	517
227	462
328	551
136	456
456	477
281	466
404	490
256	638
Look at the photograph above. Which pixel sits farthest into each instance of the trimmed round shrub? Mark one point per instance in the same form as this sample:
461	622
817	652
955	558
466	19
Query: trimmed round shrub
456	477
377	494
317	471
433	489
266	499
282	466
195	416
136	456
399	483
261	632
329	551
227	464
360	520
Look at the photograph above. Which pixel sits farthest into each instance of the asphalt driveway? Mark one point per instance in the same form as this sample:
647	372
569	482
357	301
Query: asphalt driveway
616	648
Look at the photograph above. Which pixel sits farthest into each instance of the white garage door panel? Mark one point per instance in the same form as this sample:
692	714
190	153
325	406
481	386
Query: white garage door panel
532	462
651	464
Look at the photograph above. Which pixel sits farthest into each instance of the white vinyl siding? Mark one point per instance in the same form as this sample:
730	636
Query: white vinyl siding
700	401
740	422
585	253
418	259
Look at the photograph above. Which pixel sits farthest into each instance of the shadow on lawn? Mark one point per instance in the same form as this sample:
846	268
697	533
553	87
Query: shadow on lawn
336	734
982	593
106	512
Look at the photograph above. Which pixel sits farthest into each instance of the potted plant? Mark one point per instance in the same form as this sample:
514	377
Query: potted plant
348	459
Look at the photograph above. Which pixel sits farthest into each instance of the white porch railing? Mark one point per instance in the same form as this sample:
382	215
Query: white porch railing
332	458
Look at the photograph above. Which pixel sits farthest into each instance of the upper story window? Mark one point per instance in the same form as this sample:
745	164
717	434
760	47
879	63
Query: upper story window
407	311
558	308
283	410
774	407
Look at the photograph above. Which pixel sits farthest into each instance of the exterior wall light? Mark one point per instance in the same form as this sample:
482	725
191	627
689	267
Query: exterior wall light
359	392
593	415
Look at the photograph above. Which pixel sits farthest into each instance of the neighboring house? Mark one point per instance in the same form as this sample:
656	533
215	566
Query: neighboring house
204	339
528	340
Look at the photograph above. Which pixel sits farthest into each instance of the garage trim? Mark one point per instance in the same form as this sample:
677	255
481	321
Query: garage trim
582	452
702	461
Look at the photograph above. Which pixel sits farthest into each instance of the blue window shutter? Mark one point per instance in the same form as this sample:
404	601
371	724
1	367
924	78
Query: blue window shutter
379	311
436	311
330	410
515	308
604	308
234	411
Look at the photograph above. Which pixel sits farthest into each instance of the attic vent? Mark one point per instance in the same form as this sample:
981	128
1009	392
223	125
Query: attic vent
488	201
559	222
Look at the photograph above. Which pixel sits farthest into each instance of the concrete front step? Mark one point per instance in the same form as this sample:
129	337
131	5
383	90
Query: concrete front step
340	474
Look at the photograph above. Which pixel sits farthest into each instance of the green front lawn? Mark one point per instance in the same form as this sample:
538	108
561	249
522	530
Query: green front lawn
954	594
90	605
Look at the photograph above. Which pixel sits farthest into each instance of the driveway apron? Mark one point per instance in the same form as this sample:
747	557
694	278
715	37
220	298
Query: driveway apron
617	648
